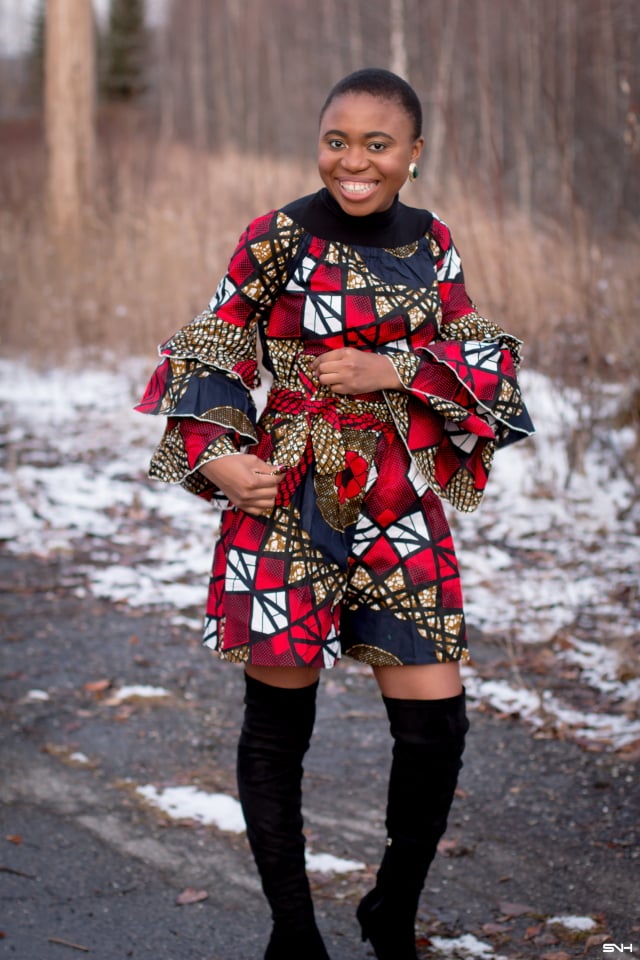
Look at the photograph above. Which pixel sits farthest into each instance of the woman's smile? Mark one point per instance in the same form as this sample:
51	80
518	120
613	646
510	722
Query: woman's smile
358	189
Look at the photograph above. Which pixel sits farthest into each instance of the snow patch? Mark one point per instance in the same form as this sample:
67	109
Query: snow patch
225	813
544	710
327	863
574	923
466	946
37	695
138	690
189	803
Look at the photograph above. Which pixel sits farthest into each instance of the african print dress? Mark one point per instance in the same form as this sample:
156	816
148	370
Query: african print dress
356	557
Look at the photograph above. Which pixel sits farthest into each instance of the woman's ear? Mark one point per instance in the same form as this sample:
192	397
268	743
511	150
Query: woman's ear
416	150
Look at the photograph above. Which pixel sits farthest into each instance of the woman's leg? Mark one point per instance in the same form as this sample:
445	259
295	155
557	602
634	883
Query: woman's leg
289	678
432	681
276	731
427	719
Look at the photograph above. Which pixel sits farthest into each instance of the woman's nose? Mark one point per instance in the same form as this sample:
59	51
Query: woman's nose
355	159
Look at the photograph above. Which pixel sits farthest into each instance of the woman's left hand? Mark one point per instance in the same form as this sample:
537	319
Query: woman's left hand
351	371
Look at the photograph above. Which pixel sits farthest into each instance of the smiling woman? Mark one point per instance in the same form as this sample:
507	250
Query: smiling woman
390	393
365	165
366	146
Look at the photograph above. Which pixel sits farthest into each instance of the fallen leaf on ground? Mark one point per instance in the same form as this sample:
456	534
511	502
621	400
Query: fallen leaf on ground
531	932
122	713
191	895
97	686
453	848
595	940
545	940
490	928
14	838
446	846
509	909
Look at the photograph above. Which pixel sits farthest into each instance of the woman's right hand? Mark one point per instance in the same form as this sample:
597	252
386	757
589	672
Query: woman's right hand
247	481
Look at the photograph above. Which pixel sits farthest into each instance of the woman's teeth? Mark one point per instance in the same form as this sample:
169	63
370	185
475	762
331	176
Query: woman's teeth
355	187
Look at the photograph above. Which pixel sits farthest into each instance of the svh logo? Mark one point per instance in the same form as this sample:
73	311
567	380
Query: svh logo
617	947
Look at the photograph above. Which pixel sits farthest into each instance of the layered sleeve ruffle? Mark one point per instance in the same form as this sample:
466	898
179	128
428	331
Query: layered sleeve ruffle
461	398
208	368
209	412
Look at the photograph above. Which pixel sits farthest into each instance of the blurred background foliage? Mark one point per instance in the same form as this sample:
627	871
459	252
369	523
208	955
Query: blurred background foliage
204	114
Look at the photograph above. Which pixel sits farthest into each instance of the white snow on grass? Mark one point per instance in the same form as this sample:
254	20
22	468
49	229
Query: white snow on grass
327	863
138	690
225	813
189	803
145	588
466	946
543	710
552	551
602	669
550	542
574	923
37	695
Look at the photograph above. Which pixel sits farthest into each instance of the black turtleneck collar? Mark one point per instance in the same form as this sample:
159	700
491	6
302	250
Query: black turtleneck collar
321	215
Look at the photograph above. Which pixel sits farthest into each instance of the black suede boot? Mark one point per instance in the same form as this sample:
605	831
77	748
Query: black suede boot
275	736
428	744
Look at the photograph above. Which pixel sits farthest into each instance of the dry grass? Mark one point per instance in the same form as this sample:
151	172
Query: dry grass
571	294
165	219
164	222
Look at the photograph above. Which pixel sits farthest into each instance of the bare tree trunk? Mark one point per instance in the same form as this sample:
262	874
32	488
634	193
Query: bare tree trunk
167	89
198	85
530	84
398	55
69	111
354	32
489	162
437	121
217	72
331	28
567	102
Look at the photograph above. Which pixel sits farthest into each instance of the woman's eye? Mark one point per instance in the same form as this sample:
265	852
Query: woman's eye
377	147
336	144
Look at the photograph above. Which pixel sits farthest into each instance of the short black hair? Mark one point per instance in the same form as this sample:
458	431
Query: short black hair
383	84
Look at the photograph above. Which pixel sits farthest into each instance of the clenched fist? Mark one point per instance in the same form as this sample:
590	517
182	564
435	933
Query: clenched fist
351	371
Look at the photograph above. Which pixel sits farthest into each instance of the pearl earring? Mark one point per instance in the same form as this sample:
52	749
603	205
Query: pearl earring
413	171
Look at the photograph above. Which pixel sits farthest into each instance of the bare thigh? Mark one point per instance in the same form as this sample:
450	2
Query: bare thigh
431	681
292	678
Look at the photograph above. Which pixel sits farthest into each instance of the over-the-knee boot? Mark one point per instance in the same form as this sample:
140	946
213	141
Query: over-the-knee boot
428	744
275	736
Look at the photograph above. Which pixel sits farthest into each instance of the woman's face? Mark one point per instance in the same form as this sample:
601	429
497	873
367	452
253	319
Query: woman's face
365	147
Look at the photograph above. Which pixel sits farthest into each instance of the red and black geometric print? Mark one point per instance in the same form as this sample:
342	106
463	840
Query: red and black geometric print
376	464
